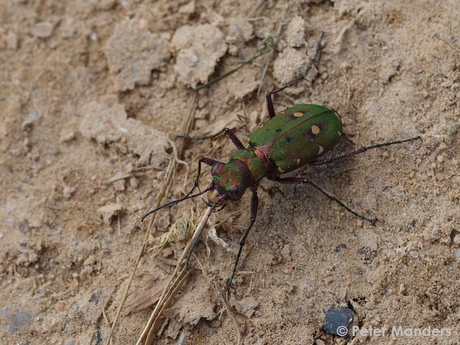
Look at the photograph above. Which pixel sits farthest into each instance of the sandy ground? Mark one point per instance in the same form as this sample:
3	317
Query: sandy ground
92	96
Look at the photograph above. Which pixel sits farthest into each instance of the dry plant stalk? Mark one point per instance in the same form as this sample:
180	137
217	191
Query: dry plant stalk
170	170
178	278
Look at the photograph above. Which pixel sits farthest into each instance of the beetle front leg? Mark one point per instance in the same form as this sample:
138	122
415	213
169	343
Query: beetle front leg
189	195
207	161
302	180
254	207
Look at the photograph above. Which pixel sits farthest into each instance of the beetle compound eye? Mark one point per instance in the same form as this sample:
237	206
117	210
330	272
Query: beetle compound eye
218	169
236	193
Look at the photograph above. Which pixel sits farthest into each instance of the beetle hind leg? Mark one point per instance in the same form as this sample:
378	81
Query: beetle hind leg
302	180
361	150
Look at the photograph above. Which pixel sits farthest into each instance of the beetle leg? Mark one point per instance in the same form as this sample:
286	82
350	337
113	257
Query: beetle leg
303	180
268	96
233	138
227	131
254	207
189	195
207	161
269	101
361	150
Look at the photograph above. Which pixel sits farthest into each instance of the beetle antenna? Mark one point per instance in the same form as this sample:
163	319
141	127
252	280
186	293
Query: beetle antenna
175	202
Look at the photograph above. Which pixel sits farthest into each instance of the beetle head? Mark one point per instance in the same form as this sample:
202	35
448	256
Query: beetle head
231	179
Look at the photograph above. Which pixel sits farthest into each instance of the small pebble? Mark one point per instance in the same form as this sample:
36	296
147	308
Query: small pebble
243	329
66	135
339	321
59	306
42	30
68	191
414	254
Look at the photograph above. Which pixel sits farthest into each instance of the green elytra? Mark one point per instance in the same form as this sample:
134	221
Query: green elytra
294	137
298	135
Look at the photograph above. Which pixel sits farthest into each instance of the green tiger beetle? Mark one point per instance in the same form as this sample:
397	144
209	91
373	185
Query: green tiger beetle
292	138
